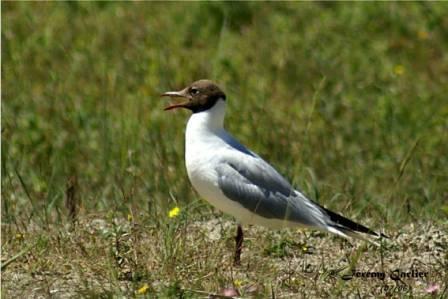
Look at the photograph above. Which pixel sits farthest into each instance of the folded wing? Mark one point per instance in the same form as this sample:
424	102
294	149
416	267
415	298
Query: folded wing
258	187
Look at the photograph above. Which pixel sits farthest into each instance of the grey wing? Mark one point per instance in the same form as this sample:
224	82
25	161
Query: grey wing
261	189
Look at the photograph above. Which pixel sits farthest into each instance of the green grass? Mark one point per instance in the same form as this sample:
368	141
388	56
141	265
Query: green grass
348	101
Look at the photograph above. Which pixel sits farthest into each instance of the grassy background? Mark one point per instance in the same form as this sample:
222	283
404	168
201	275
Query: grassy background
348	101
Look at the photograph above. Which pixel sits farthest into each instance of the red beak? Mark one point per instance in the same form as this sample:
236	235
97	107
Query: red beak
175	94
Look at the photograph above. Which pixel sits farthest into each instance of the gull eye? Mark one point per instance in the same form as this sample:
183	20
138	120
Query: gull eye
194	91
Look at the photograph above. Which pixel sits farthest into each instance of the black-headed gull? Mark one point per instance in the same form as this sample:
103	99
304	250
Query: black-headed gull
240	183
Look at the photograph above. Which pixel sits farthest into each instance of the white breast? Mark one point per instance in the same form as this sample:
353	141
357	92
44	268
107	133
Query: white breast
204	145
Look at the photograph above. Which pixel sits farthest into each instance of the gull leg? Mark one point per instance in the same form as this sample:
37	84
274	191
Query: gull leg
239	245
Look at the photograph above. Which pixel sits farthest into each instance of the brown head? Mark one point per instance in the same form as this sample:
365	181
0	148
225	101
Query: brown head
199	96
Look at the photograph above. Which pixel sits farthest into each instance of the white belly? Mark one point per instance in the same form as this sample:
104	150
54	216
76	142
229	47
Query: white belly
204	144
205	182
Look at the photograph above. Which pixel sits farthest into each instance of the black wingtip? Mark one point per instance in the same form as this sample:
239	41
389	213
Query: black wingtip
347	224
384	236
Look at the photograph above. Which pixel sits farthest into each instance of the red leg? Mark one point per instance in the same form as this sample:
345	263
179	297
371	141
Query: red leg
239	245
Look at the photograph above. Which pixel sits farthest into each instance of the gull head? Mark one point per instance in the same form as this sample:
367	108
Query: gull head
198	96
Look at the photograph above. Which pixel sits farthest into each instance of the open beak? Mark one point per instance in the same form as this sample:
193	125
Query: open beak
176	94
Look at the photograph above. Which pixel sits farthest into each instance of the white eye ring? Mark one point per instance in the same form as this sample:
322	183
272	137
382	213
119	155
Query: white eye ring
194	91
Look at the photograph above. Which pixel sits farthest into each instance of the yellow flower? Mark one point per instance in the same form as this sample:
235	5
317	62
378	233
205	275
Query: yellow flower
422	34
143	289
129	217
237	283
173	212
399	70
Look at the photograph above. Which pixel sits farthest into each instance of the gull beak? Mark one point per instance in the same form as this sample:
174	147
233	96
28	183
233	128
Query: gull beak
176	94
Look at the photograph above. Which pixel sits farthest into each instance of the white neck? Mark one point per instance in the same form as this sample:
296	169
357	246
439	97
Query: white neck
211	120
